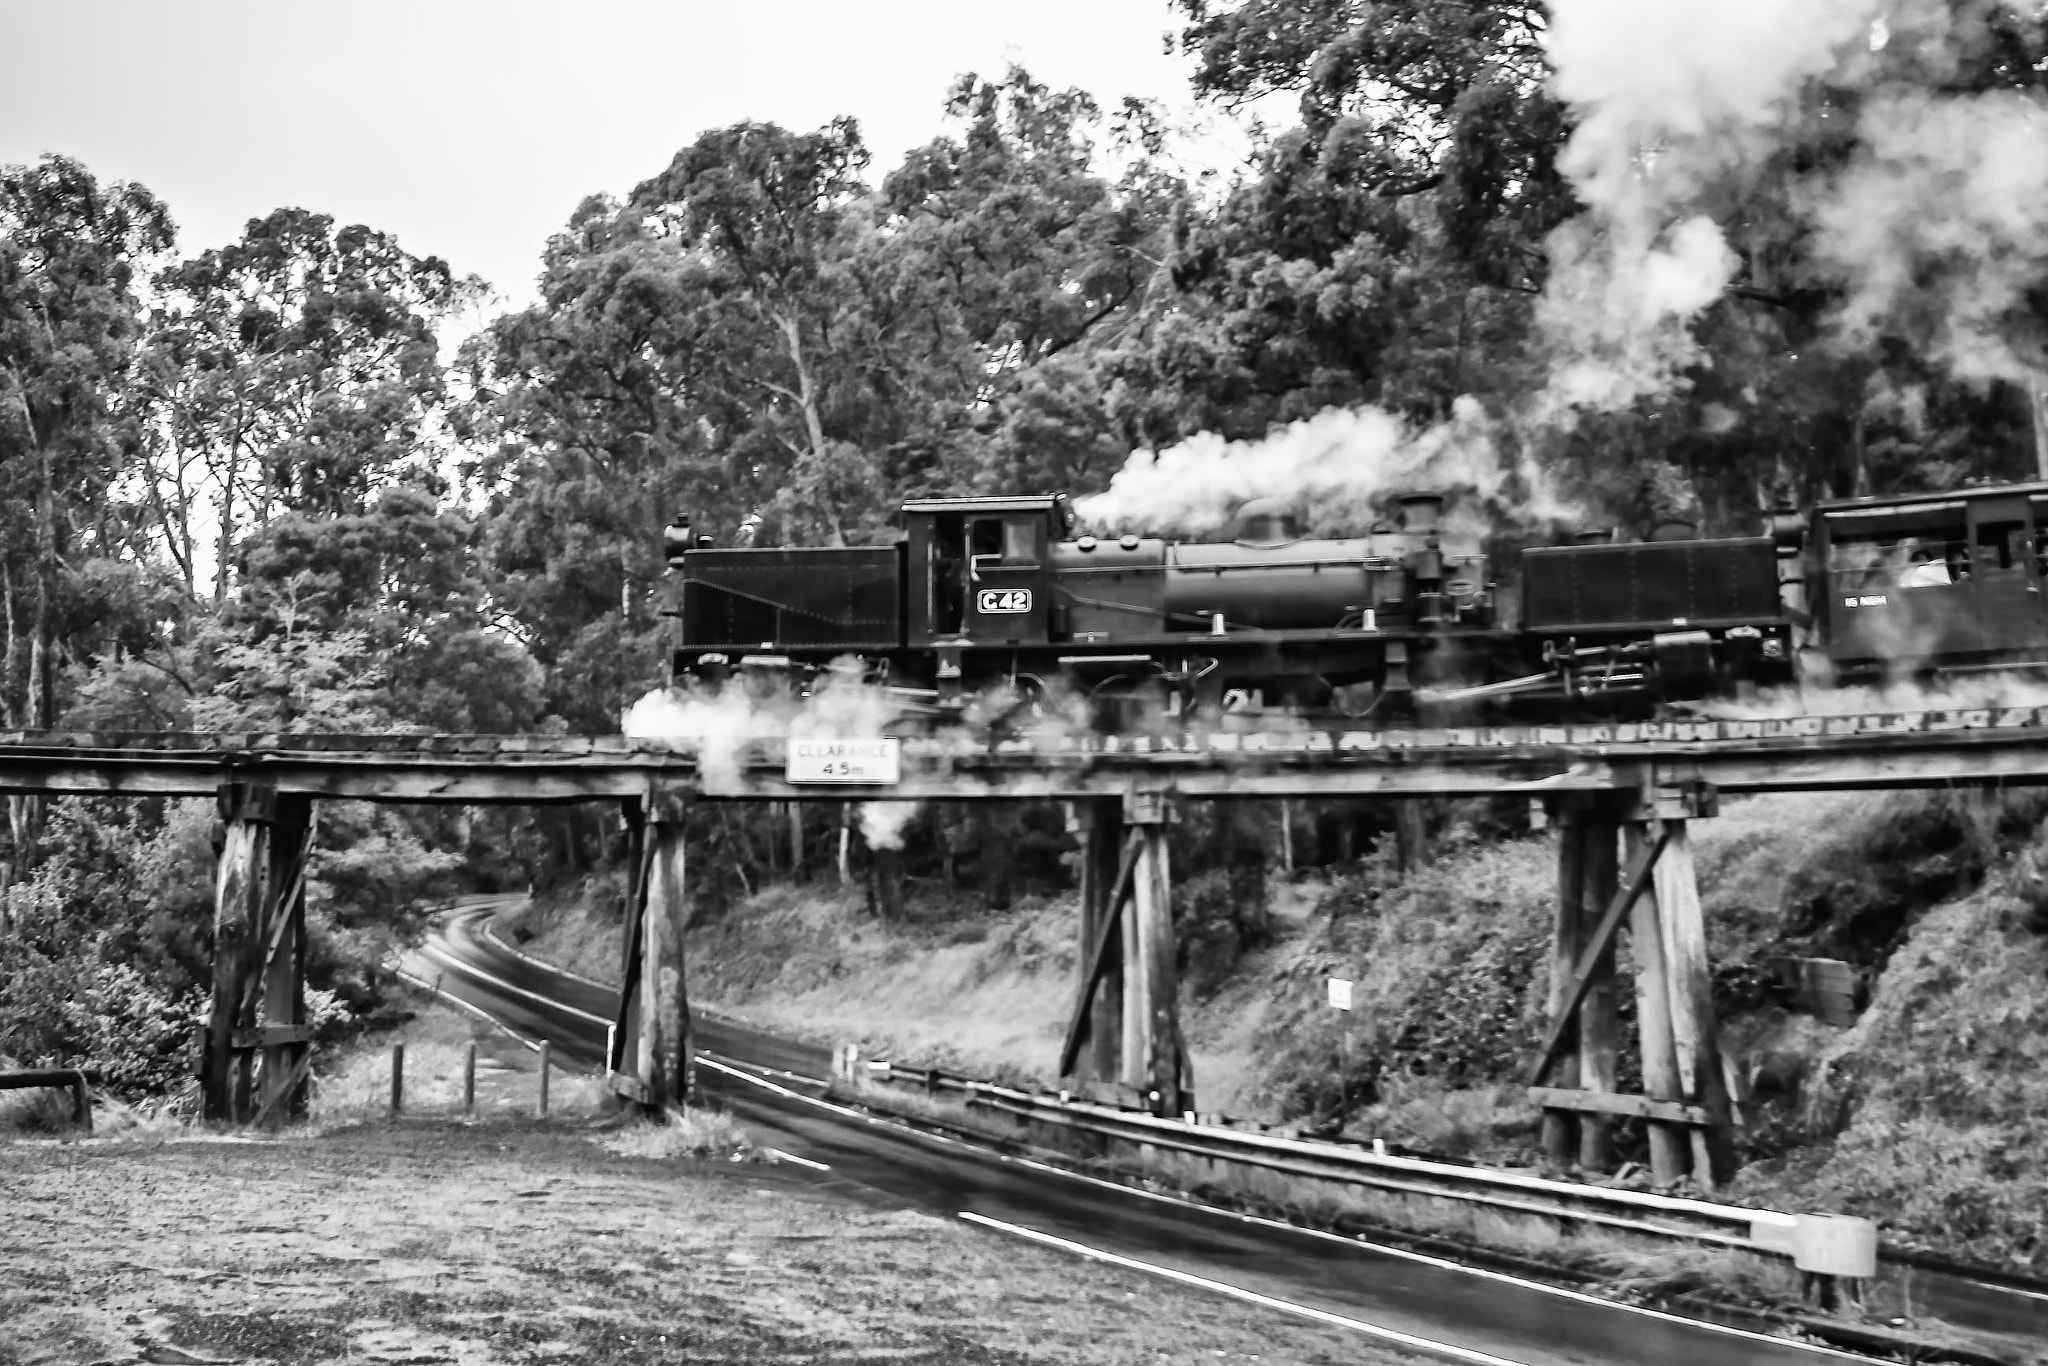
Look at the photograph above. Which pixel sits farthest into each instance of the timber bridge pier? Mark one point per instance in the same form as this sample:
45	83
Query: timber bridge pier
1622	798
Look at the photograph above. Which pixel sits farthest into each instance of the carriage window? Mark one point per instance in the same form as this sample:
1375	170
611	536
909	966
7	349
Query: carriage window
2001	545
1876	563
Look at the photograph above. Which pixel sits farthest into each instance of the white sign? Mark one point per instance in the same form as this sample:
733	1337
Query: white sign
996	601
820	760
1340	993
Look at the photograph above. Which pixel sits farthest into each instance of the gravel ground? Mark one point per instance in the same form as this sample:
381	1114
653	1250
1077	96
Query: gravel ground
512	1240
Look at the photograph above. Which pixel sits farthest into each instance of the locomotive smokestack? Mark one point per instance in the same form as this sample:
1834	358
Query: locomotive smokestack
675	539
1420	511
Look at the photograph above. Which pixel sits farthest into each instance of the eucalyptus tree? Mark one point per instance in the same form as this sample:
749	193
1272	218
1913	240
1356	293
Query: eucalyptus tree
296	369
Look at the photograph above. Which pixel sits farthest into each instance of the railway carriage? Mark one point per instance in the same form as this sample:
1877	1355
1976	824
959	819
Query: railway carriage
1935	584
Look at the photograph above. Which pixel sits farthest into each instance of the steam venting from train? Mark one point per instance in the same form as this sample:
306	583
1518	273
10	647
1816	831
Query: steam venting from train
717	724
1934	229
1339	466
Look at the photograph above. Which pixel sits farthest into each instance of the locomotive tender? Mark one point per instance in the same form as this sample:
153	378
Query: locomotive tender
980	592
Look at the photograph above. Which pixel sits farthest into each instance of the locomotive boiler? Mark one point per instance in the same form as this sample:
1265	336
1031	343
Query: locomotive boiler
980	593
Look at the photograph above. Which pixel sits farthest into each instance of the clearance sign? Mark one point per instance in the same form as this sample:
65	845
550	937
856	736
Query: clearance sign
821	760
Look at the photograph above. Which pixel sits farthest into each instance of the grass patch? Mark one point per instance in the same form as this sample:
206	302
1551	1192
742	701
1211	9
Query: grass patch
355	1086
690	1133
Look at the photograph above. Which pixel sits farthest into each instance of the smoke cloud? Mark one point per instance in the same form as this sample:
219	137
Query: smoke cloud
1934	231
1336	467
1674	99
1940	228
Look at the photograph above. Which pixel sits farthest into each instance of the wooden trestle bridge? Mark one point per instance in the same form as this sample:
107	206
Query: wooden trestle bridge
1621	796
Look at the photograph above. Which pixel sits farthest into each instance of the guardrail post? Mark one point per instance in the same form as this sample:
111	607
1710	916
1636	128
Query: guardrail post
651	1042
397	1080
1154	1062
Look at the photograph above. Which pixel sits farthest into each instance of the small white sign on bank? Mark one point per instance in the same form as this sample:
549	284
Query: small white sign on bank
820	760
1340	993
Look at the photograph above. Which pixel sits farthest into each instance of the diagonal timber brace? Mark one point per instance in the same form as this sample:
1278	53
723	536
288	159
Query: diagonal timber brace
1633	885
1100	953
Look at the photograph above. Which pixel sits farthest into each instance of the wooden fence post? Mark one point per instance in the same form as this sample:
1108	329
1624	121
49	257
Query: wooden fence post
397	1080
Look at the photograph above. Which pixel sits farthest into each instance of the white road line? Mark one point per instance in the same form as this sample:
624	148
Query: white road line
782	1156
491	934
1444	1350
1378	1249
507	1030
471	970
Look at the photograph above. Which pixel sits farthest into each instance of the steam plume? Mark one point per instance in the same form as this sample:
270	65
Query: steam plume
1338	465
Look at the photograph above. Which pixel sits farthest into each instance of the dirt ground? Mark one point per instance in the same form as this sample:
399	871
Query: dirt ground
507	1239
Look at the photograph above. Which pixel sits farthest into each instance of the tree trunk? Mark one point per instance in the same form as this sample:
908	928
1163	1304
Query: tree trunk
814	424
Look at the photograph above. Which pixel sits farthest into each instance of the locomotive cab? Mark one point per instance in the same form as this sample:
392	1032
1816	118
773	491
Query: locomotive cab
980	568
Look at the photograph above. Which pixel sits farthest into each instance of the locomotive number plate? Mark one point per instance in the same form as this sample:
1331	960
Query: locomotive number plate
996	601
818	760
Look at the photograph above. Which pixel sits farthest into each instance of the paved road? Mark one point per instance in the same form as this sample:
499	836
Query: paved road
1469	1311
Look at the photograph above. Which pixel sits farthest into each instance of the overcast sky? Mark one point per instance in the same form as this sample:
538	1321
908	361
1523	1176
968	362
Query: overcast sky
472	129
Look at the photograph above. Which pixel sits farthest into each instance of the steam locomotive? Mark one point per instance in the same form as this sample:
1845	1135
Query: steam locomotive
982	594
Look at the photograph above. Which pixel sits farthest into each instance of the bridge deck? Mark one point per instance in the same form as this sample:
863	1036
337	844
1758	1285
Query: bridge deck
1884	750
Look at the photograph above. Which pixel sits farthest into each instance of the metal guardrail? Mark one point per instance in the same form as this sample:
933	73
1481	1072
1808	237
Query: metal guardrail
57	1079
1820	1244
